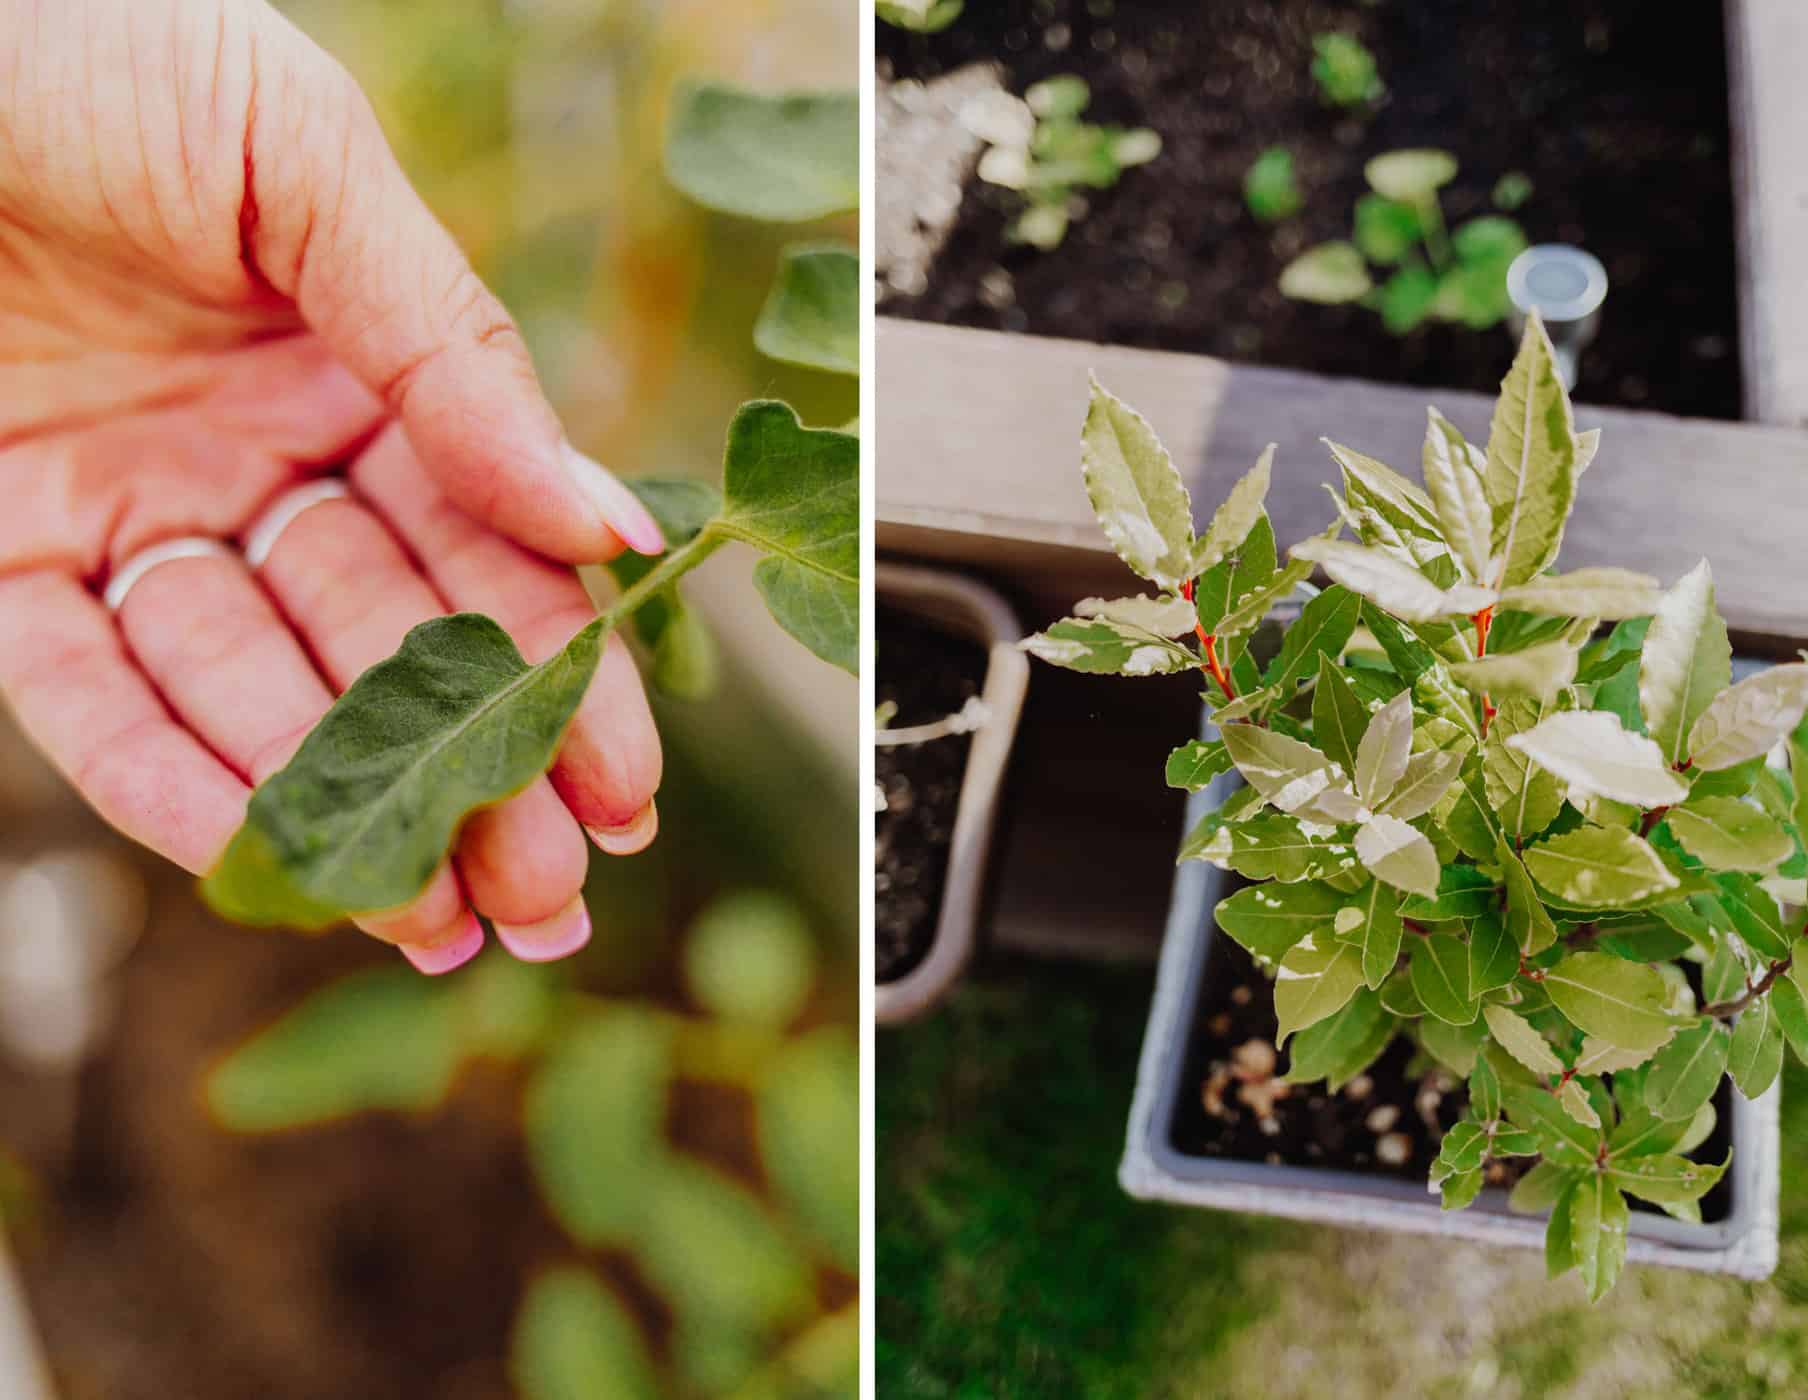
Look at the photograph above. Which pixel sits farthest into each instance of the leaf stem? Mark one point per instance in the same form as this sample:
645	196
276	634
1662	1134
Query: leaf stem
1484	620
1726	1010
661	576
1213	667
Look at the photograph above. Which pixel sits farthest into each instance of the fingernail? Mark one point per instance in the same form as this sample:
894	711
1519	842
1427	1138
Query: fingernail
620	507
550	939
440	958
632	838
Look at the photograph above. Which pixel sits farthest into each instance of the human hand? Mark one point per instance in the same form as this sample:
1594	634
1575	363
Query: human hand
216	284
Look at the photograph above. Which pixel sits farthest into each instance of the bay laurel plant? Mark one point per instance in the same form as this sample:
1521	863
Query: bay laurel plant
457	720
1558	858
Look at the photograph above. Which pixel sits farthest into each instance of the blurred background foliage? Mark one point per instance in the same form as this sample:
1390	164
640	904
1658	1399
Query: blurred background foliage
644	1162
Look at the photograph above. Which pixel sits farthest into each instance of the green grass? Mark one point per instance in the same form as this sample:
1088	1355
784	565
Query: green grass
1011	1264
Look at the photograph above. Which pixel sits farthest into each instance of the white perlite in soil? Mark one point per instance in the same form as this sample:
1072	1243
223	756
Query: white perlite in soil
924	157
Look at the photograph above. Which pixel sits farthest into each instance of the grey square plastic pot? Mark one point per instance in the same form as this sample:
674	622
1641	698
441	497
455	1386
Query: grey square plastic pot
1744	1244
975	613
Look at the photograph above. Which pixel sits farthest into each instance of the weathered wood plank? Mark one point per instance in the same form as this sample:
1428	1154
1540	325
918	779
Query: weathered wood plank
978	440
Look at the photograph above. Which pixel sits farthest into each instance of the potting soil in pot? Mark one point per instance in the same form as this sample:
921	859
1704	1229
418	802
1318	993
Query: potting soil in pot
927	675
1615	110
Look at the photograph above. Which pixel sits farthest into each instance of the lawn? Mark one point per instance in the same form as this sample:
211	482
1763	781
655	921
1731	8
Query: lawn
1010	1264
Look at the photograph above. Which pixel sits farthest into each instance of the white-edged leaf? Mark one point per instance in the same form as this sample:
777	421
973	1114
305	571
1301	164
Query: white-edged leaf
1422	786
1599	867
1374	486
1395	852
1606	593
1686	662
1384	750
1597	756
1724	833
1236	517
1290	774
1751	718
1535	673
1165	617
1391	583
1137	494
1313	981
1458	495
1587	444
1100	646
1531	476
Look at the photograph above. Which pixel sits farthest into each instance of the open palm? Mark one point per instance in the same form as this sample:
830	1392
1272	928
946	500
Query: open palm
216	284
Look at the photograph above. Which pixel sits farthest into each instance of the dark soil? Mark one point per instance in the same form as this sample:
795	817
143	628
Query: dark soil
1616	109
1311	1128
927	674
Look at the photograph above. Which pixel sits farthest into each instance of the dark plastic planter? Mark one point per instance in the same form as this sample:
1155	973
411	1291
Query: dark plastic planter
1743	1244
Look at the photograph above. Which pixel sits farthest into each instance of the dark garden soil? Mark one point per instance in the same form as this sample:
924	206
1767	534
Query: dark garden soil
927	674
1616	109
1386	1122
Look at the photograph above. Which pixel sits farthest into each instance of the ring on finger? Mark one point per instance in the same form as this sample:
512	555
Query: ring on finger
128	574
284	511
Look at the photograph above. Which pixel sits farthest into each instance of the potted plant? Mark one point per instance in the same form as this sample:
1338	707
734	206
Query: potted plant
951	682
1480	838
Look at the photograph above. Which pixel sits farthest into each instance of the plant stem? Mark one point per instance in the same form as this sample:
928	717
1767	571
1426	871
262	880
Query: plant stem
1437	242
1652	818
1484	620
1726	1010
1213	667
661	576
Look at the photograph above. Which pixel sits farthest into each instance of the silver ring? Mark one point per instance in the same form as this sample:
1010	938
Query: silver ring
126	577
284	511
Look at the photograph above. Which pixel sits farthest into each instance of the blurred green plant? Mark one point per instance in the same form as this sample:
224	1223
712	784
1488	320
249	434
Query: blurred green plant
1345	71
1458	276
1040	147
919	16
1269	188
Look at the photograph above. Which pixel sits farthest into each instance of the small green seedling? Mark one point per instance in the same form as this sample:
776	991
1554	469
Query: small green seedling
1345	71
1269	188
919	16
1471	819
1458	276
1040	146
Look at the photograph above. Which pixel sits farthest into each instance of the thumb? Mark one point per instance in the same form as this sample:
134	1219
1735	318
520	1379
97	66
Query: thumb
332	222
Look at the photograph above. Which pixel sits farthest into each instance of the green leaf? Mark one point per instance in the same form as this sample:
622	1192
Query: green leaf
1754	914
574	1340
1665	1180
1267	846
1685	1073
750	958
1407	298
1456	1048
1137	495
1751	718
1463	893
1534	673
594	1123
1489	238
1253	606
364	813
1564	1141
1463	1149
1525	795
809	1135
1686	662
1341	1045
1520	1039
1385	229
1755	1054
1789	1004
1484	1091
1559	1247
1328	274
812	317
1724	833
1539	1189
1460	1190
1531	473
1493	955
780	158
1398	854
1597	1230
1322	629
1453	479
1315	979
1612	999
1378	931
386	1039
1269	188
1598	1057
928	16
1440	975
1614	594
1386	746
1236	516
1292	775
1599	867
1248	568
794	492
1194	764
1409	657
1575	1102
1596	757
1428	777
1410	175
1339	718
1529	923
1391	583
1269	919
1102	647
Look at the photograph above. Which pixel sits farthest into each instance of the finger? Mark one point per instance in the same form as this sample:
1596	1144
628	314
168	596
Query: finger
353	594
609	767
65	672
227	663
339	228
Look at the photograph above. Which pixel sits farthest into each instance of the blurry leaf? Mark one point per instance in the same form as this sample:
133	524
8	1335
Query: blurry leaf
1269	188
812	317
1065	95
686	661
712	1248
779	158
595	1124
1410	175
1344	70
1328	274
1137	495
794	493
1488	239
1536	673
1685	663
750	957
383	1039
1601	593
1386	230
920	16
573	1340
1512	190
506	1006
809	1134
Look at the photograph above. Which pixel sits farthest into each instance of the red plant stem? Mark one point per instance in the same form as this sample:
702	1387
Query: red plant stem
1652	818
1725	1010
1213	667
1484	620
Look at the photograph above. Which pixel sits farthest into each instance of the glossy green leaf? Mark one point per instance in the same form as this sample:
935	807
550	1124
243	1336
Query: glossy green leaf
1754	914
1398	854
1618	1001
1236	515
1391	583
1440	975
1269	919
574	1340
809	1136
1665	1179
1599	867
1194	764
1685	1073
1686	662
1526	796
1422	786
1343	1044
782	158
1724	833
1529	923
1595	756
1463	893
1377	930
1564	1141
1339	718
1755	1053
1748	720
1531	472
1322	629
1247	569
1315	979
812	317
1330	273
1597	1230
